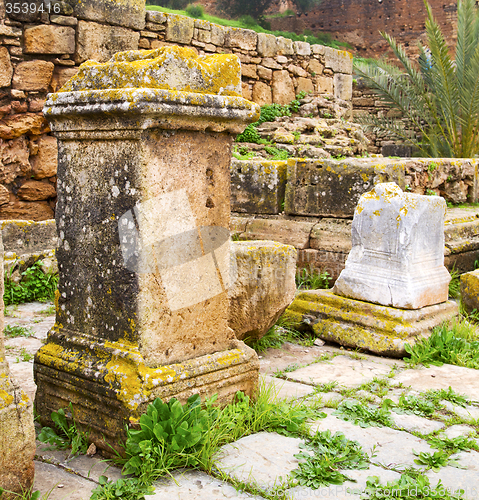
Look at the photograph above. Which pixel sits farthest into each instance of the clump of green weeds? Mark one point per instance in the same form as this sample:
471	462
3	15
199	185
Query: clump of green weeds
12	331
34	285
453	445
323	455
365	415
66	433
447	344
438	395
410	486
124	489
310	279
414	405
455	283
26	494
435	460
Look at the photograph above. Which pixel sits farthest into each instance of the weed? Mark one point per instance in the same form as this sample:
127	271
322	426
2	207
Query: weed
10	311
432	461
454	284
65	435
12	331
310	279
430	192
277	154
125	489
414	405
324	454
326	386
448	395
453	445
25	355
242	153
290	368
363	415
409	486
27	494
196	11
35	285
446	345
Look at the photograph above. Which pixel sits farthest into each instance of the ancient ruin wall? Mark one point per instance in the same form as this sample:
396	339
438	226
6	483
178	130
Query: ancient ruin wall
40	51
359	22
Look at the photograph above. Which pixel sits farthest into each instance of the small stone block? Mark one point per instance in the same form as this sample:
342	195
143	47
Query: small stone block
470	290
354	323
397	256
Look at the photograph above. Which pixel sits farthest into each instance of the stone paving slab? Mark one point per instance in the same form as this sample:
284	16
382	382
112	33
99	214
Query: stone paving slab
284	389
265	458
414	423
64	485
87	467
196	485
453	478
469	412
384	445
346	371
462	380
349	490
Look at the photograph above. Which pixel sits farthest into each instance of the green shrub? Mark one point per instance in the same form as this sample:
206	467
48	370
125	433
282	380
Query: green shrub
195	10
249	134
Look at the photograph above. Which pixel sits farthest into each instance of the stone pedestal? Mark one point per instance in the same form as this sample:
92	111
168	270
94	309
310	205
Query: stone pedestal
17	442
363	325
397	255
143	253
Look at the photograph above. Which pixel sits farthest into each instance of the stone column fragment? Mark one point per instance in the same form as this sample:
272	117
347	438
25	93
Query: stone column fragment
397	256
143	253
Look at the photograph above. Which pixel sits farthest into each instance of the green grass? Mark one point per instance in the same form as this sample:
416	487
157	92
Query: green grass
456	343
365	415
311	279
321	39
12	331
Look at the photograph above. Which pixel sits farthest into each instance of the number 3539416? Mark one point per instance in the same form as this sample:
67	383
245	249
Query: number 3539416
31	7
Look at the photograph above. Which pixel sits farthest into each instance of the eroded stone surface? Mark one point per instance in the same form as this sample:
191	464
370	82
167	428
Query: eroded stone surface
414	423
264	286
264	458
397	256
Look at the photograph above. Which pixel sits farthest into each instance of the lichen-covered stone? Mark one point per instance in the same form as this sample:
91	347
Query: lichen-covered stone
257	187
363	325
333	188
339	61
130	13
263	288
143	211
470	291
397	256
17	443
179	29
170	68
266	45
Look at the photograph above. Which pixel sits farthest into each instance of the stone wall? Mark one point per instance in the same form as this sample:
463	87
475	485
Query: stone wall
41	49
359	22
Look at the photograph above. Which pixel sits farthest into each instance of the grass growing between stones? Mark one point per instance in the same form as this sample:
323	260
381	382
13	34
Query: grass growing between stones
27	494
365	415
13	331
456	343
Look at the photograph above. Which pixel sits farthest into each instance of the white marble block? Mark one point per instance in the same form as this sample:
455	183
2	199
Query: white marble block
397	256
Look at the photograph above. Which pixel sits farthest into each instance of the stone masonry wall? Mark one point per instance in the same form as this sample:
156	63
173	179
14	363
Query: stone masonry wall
42	48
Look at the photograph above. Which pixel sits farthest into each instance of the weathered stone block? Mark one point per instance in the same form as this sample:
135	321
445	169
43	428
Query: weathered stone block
100	42
319	261
49	39
266	45
143	209
304	85
284	231
33	75
218	34
14	160
470	291
284	46
363	325
36	191
397	256
343	86
44	163
339	61
23	237
241	39
13	126
324	84
302	48
257	187
6	68
265	73
262	94
17	445
283	88
263	288
332	188
129	13
249	71
179	29
61	76
27	211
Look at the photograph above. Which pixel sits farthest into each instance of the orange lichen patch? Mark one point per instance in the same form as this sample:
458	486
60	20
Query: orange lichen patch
168	68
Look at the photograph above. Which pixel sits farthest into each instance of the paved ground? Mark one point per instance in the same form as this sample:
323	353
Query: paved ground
264	460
